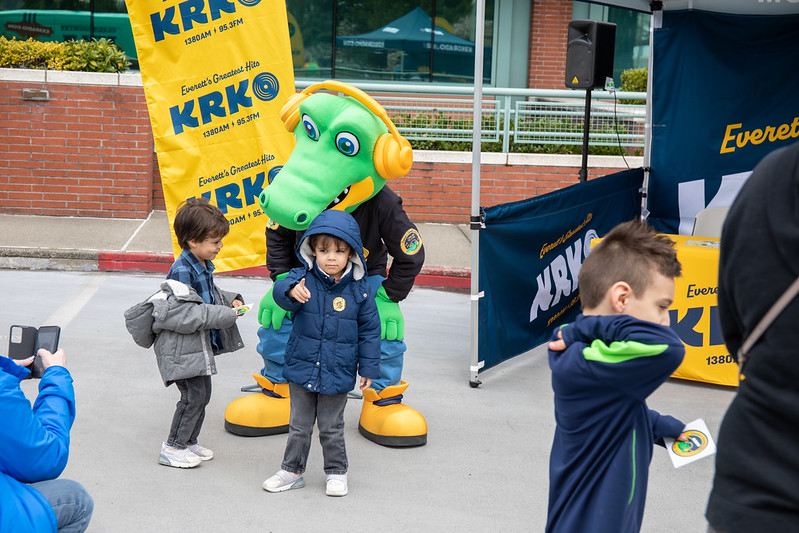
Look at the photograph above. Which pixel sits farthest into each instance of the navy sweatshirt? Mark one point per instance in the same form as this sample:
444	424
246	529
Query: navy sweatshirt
599	464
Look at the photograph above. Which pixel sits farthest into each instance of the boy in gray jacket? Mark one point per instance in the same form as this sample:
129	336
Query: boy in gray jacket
189	321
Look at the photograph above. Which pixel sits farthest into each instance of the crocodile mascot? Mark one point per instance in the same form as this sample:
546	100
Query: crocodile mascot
346	149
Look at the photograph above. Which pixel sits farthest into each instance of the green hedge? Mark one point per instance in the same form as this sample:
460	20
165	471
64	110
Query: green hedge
634	81
98	55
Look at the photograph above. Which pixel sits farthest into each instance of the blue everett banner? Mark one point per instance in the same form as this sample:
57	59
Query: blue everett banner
530	254
724	95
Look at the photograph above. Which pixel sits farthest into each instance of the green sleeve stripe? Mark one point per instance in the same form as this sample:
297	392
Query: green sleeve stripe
620	352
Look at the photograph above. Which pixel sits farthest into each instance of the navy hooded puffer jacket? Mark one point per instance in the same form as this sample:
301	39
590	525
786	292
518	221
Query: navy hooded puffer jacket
336	334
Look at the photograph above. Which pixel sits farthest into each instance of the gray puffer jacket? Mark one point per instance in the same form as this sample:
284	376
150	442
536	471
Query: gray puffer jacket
178	323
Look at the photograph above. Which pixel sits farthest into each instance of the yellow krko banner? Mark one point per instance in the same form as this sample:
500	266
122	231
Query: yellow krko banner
694	313
215	75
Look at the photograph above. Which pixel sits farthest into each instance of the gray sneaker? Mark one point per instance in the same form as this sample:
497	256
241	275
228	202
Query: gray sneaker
284	480
203	453
178	457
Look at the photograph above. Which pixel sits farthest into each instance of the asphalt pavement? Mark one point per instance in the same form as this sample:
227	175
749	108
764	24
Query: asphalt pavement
484	468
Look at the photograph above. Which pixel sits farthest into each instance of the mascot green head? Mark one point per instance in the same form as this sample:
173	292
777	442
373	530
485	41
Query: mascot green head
346	149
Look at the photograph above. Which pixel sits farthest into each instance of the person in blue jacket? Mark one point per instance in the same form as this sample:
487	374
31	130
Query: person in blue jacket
335	335
34	448
617	352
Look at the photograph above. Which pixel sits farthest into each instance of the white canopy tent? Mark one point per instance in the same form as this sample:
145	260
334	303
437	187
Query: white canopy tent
655	8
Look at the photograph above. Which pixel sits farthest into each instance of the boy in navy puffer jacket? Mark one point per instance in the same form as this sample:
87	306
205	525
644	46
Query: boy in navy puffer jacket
335	335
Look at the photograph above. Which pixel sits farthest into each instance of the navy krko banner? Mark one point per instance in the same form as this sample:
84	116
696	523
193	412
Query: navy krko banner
530	254
724	95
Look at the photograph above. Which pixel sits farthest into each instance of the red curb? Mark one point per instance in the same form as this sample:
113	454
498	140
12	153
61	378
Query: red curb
135	261
159	263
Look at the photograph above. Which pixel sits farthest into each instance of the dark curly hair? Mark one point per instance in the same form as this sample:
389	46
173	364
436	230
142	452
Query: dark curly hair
197	219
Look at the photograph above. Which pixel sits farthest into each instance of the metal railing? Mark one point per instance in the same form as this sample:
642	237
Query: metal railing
511	116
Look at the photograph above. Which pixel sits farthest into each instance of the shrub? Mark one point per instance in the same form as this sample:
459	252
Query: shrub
634	80
98	55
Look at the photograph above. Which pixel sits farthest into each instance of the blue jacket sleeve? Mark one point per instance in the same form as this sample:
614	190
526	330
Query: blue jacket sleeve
664	426
368	337
280	291
632	355
35	442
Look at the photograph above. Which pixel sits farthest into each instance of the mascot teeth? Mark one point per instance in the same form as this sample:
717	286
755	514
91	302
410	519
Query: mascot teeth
340	197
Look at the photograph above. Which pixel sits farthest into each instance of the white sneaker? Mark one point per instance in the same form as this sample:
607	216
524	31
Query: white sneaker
283	480
203	453
336	485
178	457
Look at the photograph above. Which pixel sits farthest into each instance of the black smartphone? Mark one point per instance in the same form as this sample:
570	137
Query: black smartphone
21	342
47	338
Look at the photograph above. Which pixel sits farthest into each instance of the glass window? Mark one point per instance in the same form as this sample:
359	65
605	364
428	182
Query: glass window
311	34
388	40
391	40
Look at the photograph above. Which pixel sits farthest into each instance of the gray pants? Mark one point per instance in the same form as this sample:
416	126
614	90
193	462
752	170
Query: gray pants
327	410
195	393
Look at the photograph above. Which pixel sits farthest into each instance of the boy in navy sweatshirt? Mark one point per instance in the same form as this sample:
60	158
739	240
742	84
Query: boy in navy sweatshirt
604	365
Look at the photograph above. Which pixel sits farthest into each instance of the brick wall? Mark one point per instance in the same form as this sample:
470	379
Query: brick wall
88	151
85	151
549	24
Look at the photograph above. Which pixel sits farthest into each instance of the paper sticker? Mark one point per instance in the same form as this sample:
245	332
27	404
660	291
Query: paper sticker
700	444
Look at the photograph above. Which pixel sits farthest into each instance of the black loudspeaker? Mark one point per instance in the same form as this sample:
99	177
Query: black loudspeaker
589	53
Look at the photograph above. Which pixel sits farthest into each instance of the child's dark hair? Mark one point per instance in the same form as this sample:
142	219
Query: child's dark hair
197	219
328	241
630	252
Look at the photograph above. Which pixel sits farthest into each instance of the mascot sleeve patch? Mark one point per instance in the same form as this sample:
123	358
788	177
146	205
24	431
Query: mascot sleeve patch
411	242
271	224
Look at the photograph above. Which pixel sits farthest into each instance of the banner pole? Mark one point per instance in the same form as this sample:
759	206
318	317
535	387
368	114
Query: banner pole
655	21
475	221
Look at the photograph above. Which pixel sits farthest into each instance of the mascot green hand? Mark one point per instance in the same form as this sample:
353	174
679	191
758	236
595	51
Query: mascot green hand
269	313
392	324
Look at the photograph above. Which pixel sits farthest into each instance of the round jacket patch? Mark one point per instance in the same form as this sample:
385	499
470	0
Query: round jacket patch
411	242
271	224
339	304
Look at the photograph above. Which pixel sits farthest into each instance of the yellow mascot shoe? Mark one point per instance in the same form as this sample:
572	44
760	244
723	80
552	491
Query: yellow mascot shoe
393	423
261	414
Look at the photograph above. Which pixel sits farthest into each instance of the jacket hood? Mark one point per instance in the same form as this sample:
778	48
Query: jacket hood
338	224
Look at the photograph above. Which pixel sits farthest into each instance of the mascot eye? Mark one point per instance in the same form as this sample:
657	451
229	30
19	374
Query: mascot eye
310	128
347	143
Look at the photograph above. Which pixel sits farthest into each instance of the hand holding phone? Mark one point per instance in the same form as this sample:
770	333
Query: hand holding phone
48	358
46	338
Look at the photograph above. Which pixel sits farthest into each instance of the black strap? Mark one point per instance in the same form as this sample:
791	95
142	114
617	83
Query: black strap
763	325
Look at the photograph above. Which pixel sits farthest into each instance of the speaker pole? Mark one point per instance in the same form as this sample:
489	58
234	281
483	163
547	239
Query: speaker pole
586	127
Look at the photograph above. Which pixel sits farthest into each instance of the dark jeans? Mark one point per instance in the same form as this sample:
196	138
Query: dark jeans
195	393
71	503
327	410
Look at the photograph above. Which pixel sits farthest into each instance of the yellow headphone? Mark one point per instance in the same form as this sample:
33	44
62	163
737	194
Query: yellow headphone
393	155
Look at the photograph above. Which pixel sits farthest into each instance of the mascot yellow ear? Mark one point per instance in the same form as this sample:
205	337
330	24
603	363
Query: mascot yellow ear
393	156
290	112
